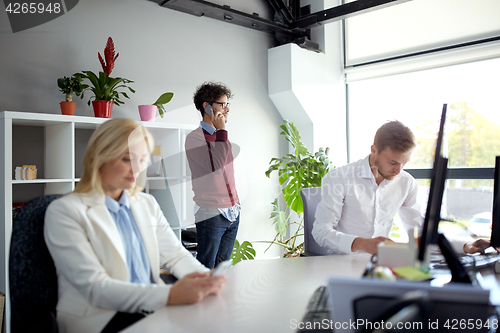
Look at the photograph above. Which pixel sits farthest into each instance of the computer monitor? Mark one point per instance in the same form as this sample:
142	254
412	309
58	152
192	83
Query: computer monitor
430	234
495	219
438	178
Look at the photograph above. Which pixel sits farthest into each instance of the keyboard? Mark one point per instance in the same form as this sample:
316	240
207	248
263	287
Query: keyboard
481	260
474	261
317	311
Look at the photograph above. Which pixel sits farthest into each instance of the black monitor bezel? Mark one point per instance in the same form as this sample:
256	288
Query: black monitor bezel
495	218
438	179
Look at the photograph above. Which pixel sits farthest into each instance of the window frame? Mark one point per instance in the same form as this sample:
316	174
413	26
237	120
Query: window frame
422	173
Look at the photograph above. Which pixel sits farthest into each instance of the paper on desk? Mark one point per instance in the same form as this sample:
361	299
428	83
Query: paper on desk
411	273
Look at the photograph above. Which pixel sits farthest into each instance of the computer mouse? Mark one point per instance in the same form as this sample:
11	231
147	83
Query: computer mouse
496	267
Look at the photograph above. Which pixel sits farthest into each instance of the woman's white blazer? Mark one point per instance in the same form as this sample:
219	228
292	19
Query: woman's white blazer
93	277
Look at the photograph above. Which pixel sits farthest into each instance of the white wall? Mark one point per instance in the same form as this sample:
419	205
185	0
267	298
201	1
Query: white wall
308	88
161	50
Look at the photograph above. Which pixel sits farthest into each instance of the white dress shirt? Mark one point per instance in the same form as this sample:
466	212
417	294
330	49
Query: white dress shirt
353	205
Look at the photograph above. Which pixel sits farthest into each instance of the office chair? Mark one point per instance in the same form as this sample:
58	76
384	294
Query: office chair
32	274
310	198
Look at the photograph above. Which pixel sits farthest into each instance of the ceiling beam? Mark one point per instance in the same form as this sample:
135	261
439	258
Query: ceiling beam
293	28
342	12
227	14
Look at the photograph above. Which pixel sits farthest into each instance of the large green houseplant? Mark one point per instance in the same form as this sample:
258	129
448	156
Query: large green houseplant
106	89
297	170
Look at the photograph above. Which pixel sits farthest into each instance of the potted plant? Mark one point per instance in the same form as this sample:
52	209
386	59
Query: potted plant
296	171
68	85
105	88
148	112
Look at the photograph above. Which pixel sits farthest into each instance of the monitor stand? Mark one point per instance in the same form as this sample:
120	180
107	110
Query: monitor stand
458	271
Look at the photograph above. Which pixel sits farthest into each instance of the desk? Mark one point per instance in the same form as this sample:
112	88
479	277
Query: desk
486	278
260	296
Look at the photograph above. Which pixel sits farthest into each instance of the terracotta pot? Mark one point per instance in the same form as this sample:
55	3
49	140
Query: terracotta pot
147	112
102	109
68	108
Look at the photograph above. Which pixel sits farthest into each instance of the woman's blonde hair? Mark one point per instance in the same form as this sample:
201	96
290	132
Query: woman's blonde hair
110	141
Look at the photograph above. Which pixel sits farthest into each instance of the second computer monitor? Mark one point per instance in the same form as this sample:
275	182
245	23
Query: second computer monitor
495	219
438	179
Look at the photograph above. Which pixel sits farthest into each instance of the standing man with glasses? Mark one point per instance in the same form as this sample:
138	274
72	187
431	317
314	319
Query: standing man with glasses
210	157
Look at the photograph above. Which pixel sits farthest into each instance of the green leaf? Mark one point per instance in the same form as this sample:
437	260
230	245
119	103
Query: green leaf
103	87
161	110
279	219
293	136
245	251
164	98
299	170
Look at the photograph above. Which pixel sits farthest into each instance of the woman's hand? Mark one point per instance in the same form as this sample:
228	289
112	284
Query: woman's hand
194	287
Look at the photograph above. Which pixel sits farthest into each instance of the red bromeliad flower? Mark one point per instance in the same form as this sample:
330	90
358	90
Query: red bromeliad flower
104	87
109	55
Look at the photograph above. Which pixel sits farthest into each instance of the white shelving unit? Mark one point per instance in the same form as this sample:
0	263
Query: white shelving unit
56	145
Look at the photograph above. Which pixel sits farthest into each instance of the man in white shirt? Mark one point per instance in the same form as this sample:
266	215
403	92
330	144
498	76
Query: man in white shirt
360	199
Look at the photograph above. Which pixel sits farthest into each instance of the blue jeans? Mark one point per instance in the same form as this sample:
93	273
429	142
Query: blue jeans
215	236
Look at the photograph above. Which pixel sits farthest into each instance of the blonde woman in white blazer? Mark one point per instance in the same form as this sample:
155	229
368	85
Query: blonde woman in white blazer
91	253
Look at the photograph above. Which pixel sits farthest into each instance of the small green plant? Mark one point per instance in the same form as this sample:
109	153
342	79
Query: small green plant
70	85
163	99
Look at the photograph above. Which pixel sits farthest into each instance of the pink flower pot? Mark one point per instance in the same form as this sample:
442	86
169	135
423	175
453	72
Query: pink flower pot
147	112
102	109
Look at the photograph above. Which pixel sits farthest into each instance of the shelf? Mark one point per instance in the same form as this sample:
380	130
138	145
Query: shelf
46	119
183	227
38	181
56	144
169	178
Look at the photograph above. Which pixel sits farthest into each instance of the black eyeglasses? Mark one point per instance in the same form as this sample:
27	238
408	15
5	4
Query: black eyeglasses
224	105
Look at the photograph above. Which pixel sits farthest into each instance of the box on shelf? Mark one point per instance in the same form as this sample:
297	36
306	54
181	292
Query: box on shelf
154	170
26	172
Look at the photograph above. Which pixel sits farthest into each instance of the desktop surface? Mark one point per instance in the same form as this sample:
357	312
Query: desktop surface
259	296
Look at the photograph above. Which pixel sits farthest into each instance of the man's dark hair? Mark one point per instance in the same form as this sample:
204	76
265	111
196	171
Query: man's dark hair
209	92
396	136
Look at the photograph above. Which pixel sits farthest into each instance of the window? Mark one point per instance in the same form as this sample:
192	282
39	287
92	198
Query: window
472	130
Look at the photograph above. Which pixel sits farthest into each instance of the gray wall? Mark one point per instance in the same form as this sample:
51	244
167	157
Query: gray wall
161	50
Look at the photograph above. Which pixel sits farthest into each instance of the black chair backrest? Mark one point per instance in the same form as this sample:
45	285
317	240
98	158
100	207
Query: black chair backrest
32	274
